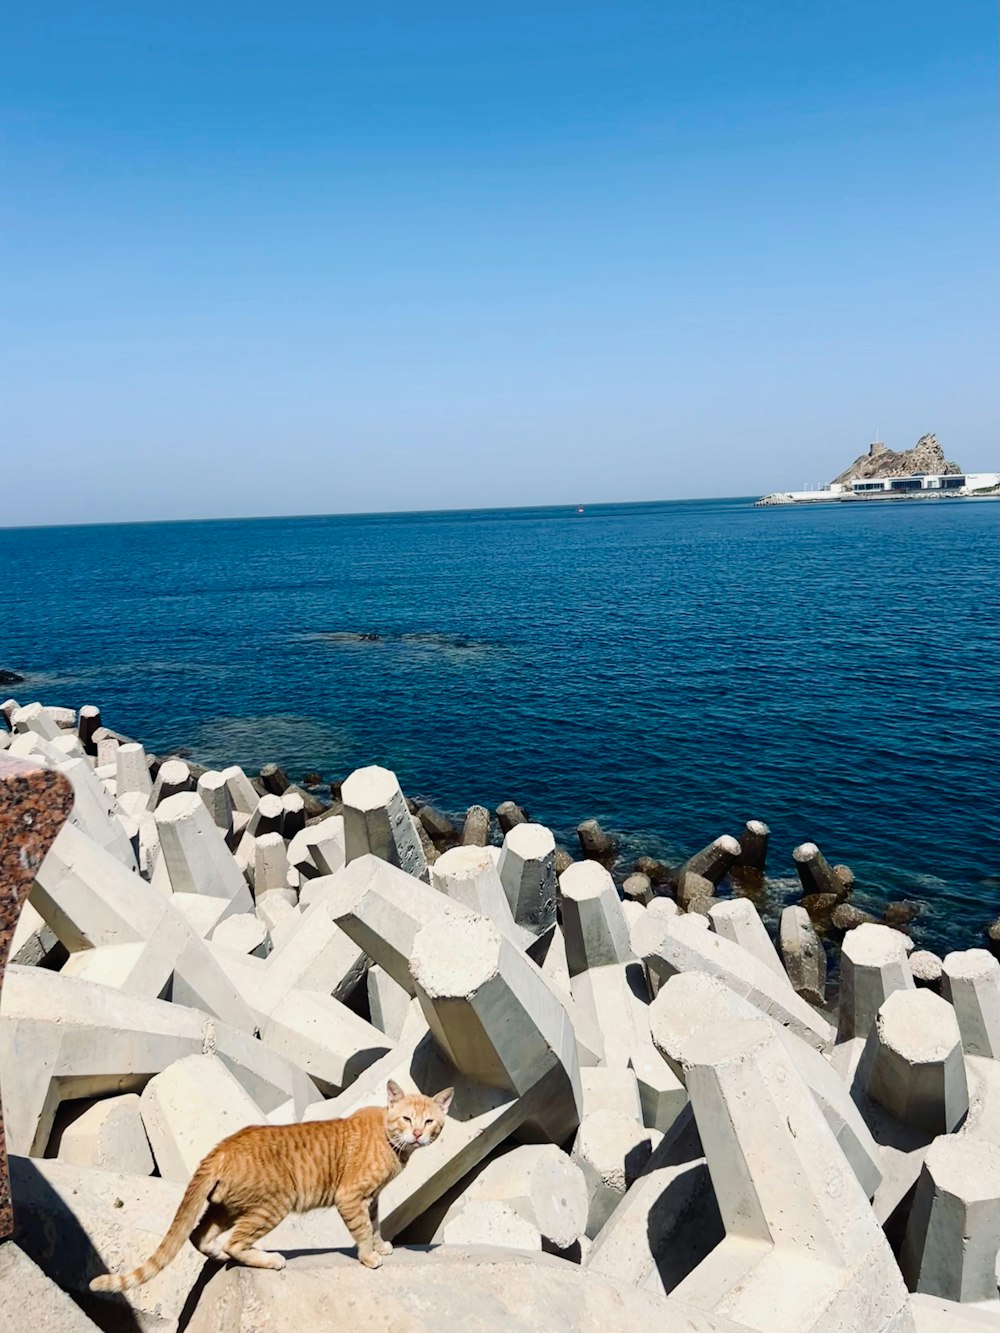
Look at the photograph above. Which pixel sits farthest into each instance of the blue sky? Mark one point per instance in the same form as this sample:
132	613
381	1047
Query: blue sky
325	258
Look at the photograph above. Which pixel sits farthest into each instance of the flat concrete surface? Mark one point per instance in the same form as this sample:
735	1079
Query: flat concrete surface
472	1289
31	1301
931	1314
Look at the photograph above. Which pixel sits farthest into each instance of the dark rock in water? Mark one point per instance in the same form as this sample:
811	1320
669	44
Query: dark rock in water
561	861
312	779
476	829
845	917
846	876
655	871
901	913
691	887
510	815
10	677
370	636
595	844
335	788
993	936
275	780
820	907
442	831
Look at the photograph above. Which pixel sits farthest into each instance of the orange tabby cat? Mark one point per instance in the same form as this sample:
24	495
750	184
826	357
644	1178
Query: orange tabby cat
259	1175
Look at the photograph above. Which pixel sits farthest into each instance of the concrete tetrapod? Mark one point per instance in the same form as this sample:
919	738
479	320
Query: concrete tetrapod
527	872
692	1000
195	852
803	955
668	945
69	1039
190	1107
803	1250
611	1149
668	1221
872	966
593	923
109	1135
377	821
469	876
541	1184
738	920
492	1013
953	1232
88	898
913	1063
713	862
971	981
382	909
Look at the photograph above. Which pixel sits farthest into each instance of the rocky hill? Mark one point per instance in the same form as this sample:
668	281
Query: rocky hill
925	456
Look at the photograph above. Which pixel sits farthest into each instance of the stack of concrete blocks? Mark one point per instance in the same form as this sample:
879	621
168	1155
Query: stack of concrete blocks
650	1094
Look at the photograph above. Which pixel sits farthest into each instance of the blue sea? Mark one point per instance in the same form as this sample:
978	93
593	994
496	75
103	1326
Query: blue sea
671	668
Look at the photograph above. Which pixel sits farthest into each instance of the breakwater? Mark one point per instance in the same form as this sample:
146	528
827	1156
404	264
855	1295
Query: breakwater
207	949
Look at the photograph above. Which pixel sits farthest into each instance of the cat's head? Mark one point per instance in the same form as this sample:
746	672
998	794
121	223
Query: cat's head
413	1120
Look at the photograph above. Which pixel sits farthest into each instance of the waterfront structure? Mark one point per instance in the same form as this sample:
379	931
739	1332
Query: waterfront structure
918	483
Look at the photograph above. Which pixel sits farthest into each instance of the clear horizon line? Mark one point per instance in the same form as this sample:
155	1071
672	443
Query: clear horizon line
369	513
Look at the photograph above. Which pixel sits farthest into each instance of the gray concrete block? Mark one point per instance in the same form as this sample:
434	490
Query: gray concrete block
803	955
737	919
872	966
132	771
527	872
971	981
188	1108
953	1231
539	1183
382	909
174	776
491	1012
32	1300
195	852
691	1001
592	919
611	1150
377	821
803	1249
469	875
110	1136
913	1062
69	1038
670	945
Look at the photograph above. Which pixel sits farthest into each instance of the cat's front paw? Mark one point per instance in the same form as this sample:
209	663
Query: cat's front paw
383	1247
371	1260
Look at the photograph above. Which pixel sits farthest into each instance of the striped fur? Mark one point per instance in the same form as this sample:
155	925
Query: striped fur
250	1181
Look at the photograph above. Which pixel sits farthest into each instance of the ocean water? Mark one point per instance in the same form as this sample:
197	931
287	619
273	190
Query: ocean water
672	669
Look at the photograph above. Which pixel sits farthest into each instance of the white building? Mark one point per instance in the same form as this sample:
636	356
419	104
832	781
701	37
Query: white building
961	483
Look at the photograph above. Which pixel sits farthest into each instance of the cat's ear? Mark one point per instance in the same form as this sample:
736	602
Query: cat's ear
394	1092
444	1099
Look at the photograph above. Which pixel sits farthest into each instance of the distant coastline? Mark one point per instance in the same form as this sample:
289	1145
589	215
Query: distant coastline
920	473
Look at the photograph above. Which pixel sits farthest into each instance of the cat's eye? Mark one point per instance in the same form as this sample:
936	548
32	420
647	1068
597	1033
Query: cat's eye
407	1119
428	1122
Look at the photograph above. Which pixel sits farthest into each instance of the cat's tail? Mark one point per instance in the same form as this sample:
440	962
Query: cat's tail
196	1195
